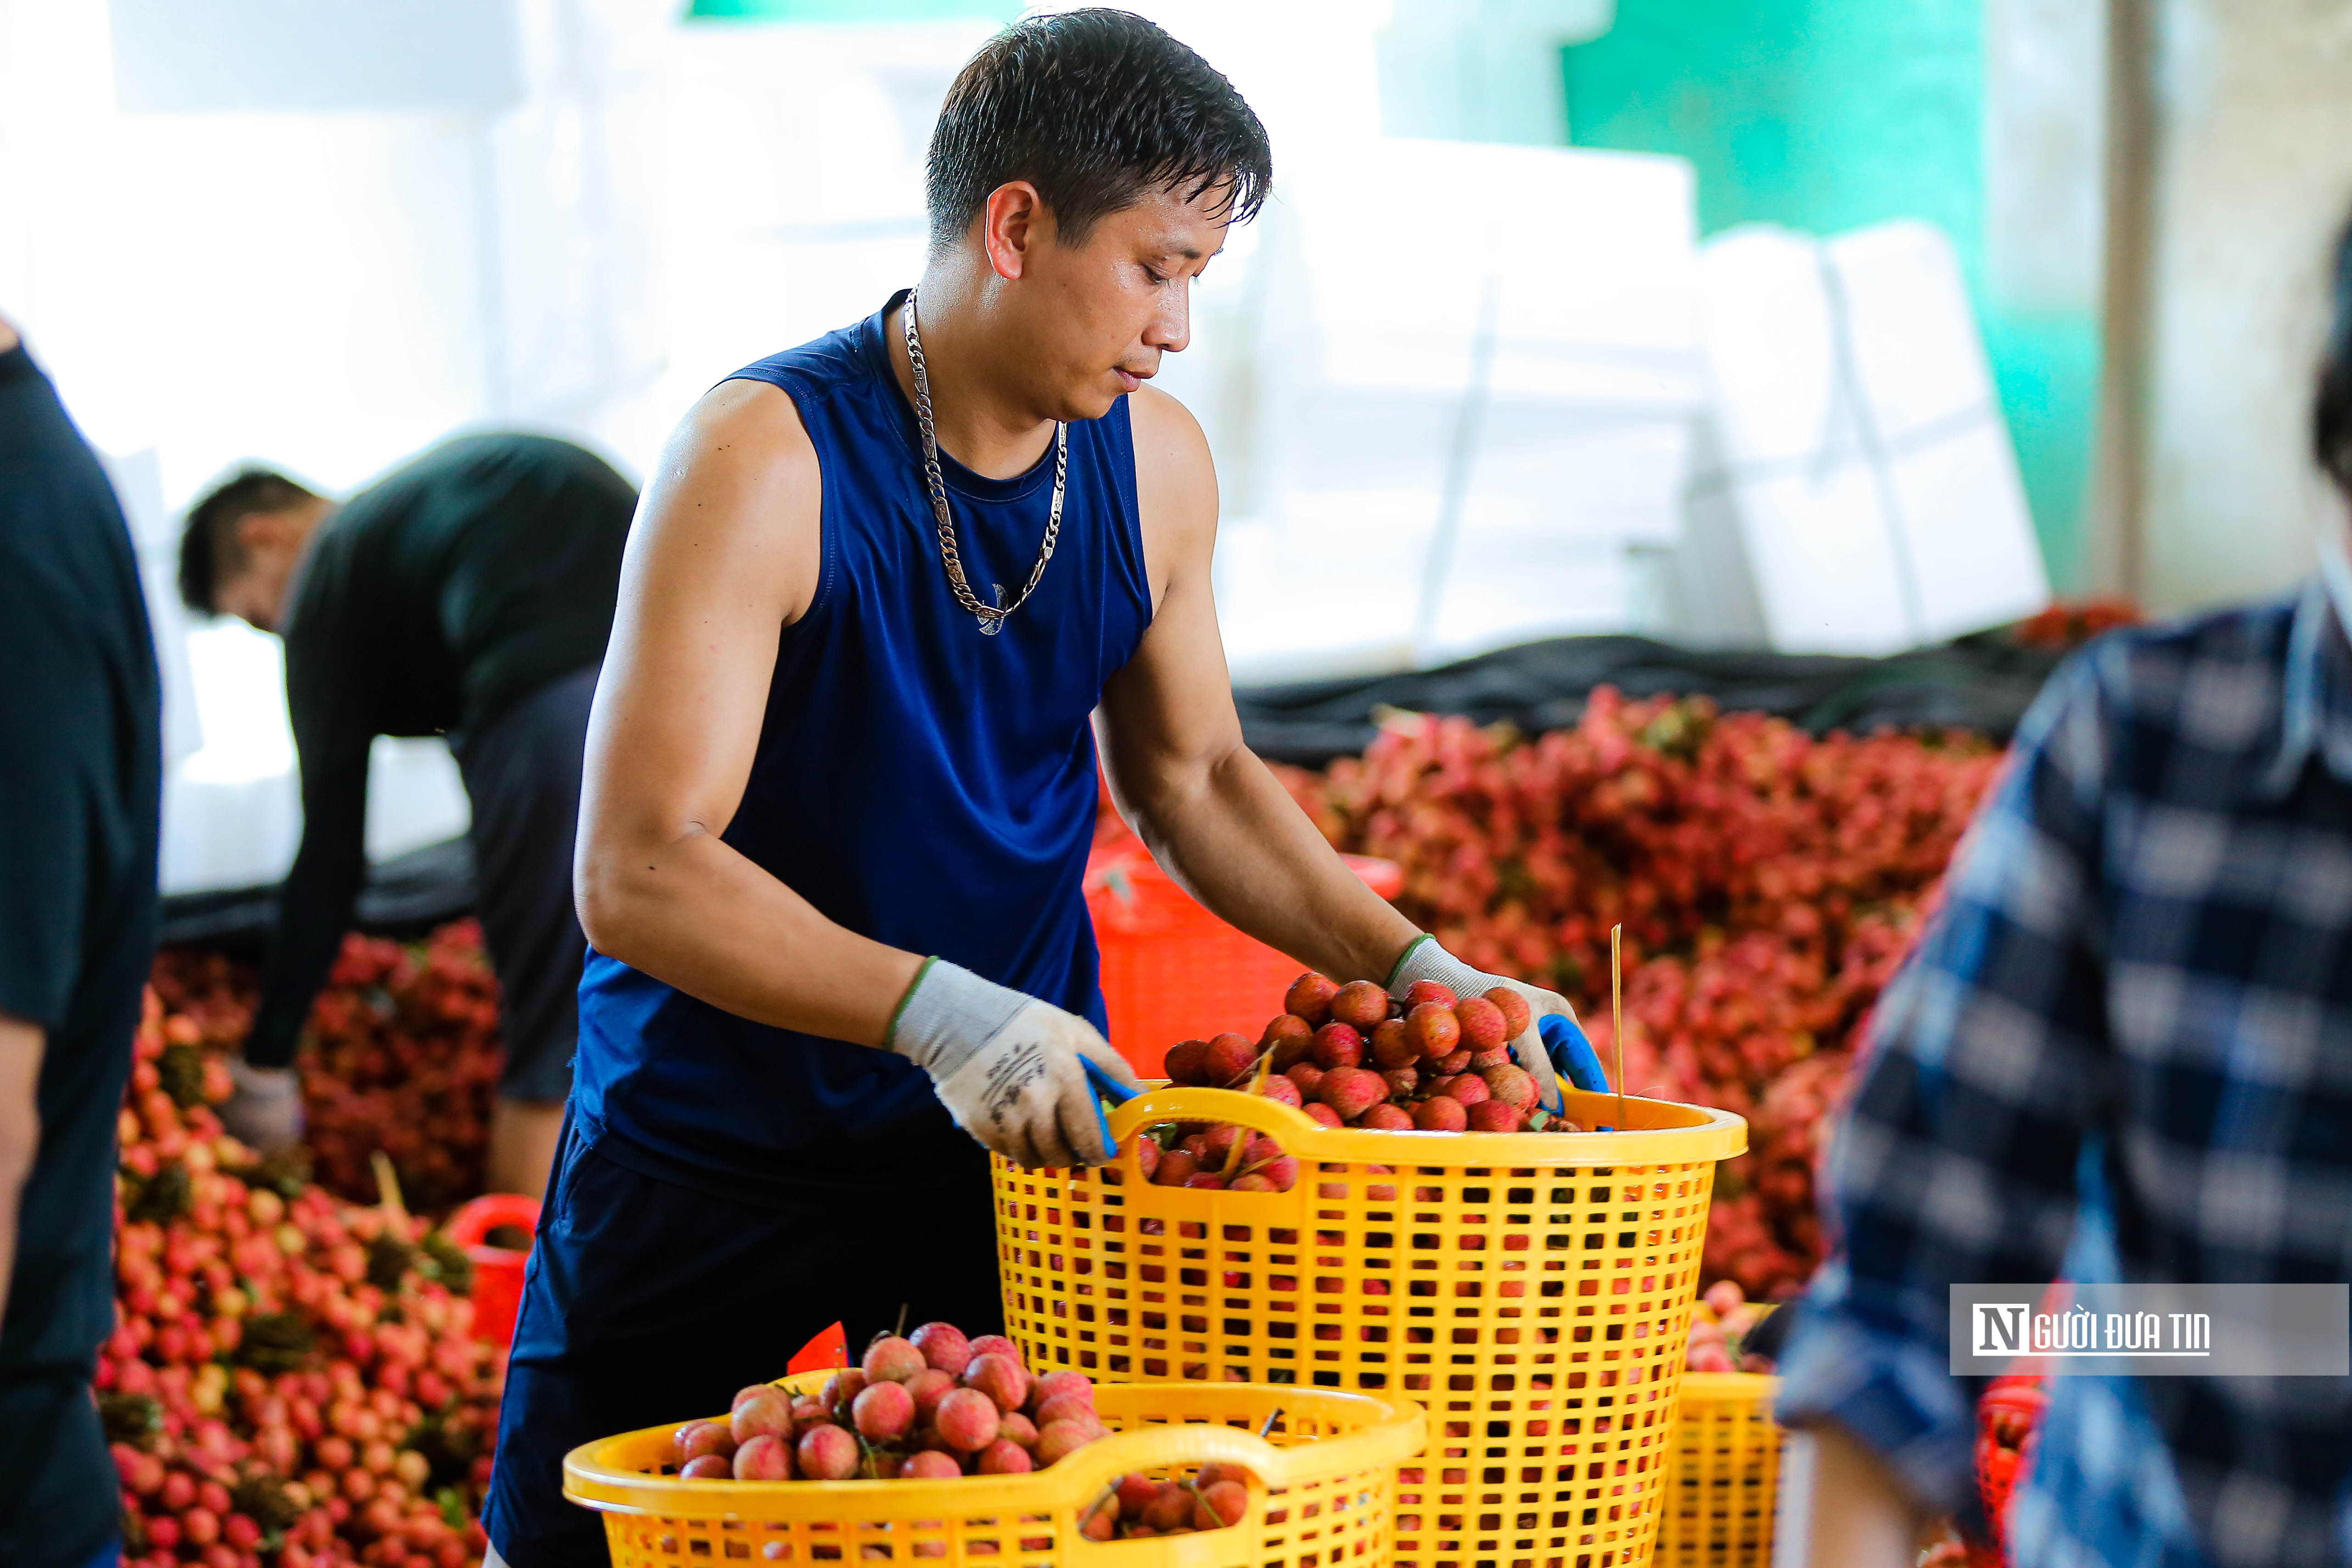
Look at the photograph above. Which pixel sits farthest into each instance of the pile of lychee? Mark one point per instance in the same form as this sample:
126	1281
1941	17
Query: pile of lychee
936	1404
1349	1056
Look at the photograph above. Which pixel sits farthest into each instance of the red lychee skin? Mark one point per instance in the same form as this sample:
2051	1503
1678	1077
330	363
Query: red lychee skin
1171	1507
1250	1181
1176	1168
807	1413
1187	1064
884	1413
1279	1087
1207	1181
1434	1030
1494	1116
751	1390
1054	1385
1056	1440
1468	1088
1217	1143
1000	1377
696	1438
1014	1427
1387	1119
1421	991
1480	1061
891	1360
1282	1171
1318	1111
1361	1003
1392	1046
1338	1045
842	1387
1481	1023
997	1344
929	1464
1305	1077
1447	1065
1147	1160
1349	1092
1403	1082
765	1457
944	1346
1517	1014
1514	1086
1441	1113
1003	1459
1102	1524
1135	1491
969	1420
1231	1059
1309	998
709	1467
767	1411
1220	1504
928	1388
827	1454
1288	1037
1064	1407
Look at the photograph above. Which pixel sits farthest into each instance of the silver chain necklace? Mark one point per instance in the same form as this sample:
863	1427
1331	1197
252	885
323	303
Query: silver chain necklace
991	617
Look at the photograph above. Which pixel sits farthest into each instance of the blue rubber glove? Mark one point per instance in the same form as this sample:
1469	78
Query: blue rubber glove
1572	1055
1426	960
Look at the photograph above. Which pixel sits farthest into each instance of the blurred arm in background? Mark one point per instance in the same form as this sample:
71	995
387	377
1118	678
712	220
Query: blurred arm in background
21	1043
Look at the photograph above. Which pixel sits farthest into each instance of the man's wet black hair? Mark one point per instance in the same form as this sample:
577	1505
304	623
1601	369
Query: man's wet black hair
209	553
2331	412
1097	109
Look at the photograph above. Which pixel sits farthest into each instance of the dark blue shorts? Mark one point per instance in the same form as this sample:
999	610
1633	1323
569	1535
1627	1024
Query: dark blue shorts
647	1303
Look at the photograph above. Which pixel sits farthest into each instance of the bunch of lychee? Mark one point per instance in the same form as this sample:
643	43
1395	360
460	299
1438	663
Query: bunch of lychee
932	1405
1349	1056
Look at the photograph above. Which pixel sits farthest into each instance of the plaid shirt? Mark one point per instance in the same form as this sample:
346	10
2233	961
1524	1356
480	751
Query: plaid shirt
2122	1051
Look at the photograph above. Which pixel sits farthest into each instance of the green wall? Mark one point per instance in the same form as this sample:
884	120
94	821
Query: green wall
1828	114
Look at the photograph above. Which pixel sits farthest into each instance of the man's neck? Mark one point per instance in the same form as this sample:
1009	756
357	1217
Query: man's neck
978	419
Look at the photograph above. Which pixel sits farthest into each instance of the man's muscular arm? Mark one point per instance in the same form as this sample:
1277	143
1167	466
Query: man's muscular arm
1207	807
724	553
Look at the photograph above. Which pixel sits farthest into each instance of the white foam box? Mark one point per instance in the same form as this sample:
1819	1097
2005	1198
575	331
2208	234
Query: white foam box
1862	449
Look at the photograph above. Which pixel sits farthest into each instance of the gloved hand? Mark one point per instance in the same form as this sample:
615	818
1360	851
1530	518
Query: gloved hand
1426	960
266	1111
1009	1068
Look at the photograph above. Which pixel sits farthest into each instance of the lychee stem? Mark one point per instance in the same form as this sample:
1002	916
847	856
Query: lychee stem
1266	1426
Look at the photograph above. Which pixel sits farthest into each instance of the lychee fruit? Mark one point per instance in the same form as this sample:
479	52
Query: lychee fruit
767	1411
1494	1116
998	1376
1056	1440
1306	1076
1392	1046
1517	1014
1480	1061
1349	1092
765	1457
1481	1023
1002	1458
928	1388
1421	991
827	1454
1230	1056
1434	1030
1318	1111
1176	1168
709	1467
1288	1037
1309	998
892	1360
1360	1003
1280	1086
1220	1504
968	1420
1338	1045
1466	1087
1403	1082
1441	1113
1515	1086
929	1464
1452	1062
1187	1064
884	1413
1387	1119
943	1345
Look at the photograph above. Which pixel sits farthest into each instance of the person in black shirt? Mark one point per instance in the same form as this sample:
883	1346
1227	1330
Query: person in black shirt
469	592
80	790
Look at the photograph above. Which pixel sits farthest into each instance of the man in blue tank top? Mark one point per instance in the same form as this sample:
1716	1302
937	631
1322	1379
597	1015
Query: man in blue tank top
885	590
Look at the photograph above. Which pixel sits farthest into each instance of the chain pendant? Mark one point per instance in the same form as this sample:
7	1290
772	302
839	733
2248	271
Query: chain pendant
991	617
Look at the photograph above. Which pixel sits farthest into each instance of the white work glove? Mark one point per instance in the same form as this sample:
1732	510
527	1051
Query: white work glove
266	1111
1009	1068
1426	960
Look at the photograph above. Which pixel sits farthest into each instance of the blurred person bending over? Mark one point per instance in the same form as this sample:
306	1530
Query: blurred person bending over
80	783
469	593
2127	1030
841	778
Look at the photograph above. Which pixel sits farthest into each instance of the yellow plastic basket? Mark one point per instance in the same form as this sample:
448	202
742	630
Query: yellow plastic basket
1321	1493
1531	1290
1723	1482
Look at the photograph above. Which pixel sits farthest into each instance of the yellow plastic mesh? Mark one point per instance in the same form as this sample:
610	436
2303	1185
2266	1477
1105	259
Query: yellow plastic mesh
1724	1479
1532	1291
1321	1493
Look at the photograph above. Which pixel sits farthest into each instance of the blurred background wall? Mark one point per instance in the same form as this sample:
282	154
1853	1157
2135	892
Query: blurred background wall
326	234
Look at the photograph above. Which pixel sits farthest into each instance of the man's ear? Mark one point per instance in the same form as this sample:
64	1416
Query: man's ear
261	532
1013	225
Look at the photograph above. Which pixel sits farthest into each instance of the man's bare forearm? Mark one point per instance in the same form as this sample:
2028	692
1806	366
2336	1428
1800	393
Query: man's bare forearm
22	1042
1862	1516
1232	836
694	913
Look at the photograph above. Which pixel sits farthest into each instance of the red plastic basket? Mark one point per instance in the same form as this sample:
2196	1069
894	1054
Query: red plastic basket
1171	971
498	1270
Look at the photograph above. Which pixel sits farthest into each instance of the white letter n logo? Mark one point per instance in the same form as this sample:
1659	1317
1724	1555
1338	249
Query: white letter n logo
2000	1328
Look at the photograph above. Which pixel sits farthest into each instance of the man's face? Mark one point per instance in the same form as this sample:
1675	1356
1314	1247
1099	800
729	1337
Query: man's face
269	544
1102	312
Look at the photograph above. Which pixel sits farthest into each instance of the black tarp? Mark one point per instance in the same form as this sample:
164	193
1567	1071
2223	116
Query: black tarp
1982	683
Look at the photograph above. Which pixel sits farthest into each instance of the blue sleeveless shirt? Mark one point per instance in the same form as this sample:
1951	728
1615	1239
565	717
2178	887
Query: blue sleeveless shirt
919	781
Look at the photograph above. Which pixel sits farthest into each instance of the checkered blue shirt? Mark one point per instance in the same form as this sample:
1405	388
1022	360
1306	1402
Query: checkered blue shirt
2122	1051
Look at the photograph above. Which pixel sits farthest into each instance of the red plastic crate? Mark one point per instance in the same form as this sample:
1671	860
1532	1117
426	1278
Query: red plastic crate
1171	971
